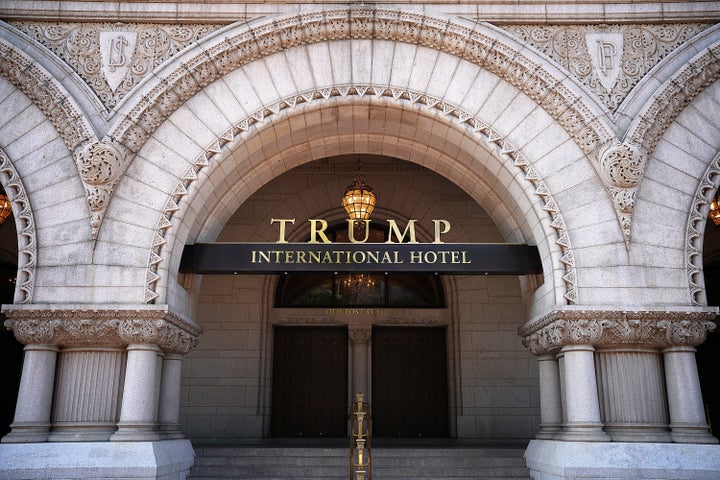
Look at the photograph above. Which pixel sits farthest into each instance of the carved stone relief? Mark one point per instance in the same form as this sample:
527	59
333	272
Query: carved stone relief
654	329
25	222
100	165
608	59
75	327
113	57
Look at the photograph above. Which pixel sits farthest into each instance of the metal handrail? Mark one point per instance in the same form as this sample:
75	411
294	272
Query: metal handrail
360	459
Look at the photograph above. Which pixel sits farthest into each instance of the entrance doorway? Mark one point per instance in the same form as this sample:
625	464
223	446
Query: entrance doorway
409	382
309	396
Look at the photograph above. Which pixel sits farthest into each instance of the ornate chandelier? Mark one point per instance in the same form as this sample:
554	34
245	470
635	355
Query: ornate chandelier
5	207
359	200
714	213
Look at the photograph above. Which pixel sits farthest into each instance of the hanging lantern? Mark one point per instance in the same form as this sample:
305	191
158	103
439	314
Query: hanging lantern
359	200
5	207
714	213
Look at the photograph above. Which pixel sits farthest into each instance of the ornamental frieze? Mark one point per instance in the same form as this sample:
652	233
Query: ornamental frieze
654	329
609	59
77	327
112	58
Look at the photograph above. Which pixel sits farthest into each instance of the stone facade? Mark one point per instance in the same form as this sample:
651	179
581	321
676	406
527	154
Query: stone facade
129	130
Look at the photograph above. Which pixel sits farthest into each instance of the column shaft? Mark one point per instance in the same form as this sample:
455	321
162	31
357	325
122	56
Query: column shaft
687	414
550	399
87	394
34	402
632	399
138	411
581	396
169	411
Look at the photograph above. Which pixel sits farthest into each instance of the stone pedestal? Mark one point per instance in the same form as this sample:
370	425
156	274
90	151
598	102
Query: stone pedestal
164	460
556	460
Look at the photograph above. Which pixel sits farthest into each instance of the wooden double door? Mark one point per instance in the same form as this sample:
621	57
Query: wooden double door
310	382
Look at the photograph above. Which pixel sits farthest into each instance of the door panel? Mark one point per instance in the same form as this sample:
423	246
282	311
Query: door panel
309	382
409	381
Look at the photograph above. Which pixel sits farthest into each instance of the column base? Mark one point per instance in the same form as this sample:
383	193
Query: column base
556	460
583	432
629	432
691	434
165	460
81	432
27	433
127	432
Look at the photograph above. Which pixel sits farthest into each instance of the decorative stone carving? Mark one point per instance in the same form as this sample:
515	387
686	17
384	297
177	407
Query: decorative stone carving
481	130
654	329
109	328
25	225
47	94
100	165
696	230
113	58
621	167
360	336
612	67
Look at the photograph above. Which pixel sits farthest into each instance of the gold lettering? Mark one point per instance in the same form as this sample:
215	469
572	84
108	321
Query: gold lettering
438	231
264	256
360	255
373	257
397	257
455	256
317	229
410	228
427	257
464	257
282	222
301	257
289	256
415	257
351	231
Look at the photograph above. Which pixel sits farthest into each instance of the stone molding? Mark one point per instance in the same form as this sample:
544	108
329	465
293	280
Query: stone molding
25	226
695	232
47	94
657	329
360	336
483	132
76	327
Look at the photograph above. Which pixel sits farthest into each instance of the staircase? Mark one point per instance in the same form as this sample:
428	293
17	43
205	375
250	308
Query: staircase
332	463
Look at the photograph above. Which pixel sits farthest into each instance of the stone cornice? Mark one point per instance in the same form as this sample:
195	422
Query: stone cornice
227	11
118	326
660	328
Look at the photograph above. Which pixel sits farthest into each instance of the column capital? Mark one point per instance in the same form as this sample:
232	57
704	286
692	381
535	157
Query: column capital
576	325
360	336
102	325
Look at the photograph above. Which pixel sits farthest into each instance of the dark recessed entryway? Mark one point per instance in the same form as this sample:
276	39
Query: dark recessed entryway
409	382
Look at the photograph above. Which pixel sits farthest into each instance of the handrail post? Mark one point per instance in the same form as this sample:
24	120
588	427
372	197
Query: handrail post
360	464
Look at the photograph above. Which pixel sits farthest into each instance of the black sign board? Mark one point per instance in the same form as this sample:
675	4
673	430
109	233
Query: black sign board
447	258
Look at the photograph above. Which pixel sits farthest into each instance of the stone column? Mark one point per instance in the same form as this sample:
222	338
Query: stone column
137	414
688	423
632	397
87	394
359	340
551	415
169	412
34	403
581	396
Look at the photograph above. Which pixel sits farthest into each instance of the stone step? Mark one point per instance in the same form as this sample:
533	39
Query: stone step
332	463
